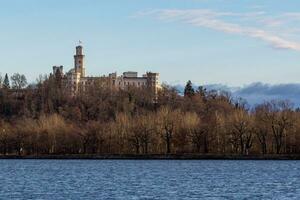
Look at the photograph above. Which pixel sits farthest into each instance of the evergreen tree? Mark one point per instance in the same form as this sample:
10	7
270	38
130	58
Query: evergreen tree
189	90
1	81
6	82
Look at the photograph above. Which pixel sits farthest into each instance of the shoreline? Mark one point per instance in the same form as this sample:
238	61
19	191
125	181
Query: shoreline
155	157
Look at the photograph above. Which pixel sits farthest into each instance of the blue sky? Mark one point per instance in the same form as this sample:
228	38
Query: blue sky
231	42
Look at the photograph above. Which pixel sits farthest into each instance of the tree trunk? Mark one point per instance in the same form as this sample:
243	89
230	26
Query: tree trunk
168	144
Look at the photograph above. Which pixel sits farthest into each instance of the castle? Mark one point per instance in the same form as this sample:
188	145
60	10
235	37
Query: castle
76	80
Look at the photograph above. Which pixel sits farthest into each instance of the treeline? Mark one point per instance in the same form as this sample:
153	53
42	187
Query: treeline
42	119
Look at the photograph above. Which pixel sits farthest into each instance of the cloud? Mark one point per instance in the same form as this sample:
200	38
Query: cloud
232	23
257	93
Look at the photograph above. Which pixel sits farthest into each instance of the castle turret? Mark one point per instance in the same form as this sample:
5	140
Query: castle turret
153	81
79	61
58	70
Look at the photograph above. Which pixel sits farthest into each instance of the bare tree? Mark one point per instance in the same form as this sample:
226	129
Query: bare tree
279	117
168	120
262	127
18	81
147	129
195	129
5	131
241	129
122	129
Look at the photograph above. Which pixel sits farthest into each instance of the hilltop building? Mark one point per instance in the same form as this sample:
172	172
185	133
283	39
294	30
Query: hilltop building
76	80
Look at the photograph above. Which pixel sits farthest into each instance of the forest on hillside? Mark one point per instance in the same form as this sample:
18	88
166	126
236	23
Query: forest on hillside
41	119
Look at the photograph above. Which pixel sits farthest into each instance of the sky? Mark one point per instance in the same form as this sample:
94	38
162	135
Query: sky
229	42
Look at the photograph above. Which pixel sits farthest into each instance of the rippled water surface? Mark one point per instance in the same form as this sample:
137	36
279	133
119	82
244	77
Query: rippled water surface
146	179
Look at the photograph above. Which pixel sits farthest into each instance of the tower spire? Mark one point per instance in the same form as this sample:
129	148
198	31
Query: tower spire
79	60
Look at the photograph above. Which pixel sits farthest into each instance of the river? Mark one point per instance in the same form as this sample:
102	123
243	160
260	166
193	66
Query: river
149	179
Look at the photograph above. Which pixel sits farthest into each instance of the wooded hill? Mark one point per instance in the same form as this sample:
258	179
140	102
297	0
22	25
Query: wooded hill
42	119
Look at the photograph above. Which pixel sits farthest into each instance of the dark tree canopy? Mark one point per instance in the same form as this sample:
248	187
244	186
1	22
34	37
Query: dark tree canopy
6	82
189	90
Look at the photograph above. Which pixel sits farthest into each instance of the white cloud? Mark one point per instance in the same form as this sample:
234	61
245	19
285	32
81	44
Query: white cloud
233	23
257	93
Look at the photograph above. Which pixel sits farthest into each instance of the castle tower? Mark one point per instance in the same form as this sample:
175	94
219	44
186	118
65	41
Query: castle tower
79	61
153	82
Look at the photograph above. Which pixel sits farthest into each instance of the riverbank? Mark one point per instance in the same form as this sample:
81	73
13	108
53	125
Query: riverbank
158	157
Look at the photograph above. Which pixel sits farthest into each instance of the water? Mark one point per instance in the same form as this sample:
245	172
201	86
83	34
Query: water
141	179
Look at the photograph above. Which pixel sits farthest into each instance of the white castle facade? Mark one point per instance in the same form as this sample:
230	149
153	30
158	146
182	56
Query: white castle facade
76	80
